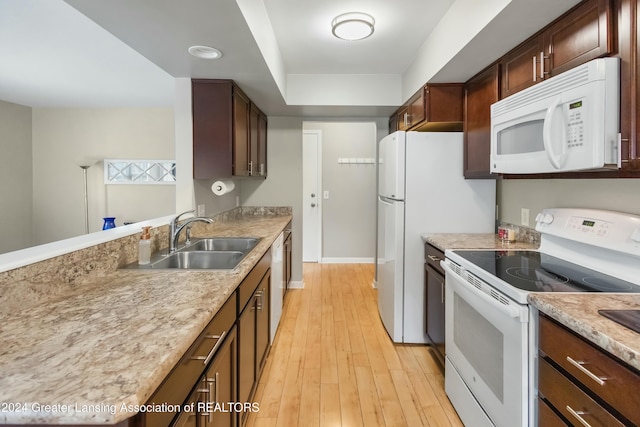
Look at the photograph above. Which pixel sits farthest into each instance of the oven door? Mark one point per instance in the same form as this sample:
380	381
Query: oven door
486	338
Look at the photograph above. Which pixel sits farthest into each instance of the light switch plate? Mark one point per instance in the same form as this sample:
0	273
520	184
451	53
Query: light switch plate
201	209
326	194
524	217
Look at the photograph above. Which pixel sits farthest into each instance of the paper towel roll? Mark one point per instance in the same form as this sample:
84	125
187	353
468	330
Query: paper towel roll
220	188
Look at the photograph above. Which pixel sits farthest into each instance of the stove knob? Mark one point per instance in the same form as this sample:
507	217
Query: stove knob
547	219
539	217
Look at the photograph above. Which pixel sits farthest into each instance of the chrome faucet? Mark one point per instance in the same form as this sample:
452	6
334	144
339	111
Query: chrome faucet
175	229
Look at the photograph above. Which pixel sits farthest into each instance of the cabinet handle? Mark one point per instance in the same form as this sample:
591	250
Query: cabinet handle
434	258
542	72
262	169
208	357
213	393
578	417
535	68
585	371
406	119
259	299
442	292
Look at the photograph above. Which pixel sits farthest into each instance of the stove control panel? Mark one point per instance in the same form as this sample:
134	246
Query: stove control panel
605	229
588	225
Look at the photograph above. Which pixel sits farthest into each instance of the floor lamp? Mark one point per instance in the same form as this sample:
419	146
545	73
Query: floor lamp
86	199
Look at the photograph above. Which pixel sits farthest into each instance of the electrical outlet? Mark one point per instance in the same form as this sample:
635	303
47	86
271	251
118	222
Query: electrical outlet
524	217
201	210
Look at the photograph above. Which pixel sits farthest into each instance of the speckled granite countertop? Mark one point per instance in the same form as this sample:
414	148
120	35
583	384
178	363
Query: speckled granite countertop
579	312
472	241
114	343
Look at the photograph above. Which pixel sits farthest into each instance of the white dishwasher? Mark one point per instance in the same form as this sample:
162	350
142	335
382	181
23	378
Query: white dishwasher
277	264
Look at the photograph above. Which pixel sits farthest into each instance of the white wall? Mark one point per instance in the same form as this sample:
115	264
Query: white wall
66	138
349	215
15	176
536	194
283	186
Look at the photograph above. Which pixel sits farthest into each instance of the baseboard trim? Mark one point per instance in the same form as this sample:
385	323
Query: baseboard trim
296	284
347	260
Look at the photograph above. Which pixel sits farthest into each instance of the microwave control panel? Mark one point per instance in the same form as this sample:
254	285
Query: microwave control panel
575	126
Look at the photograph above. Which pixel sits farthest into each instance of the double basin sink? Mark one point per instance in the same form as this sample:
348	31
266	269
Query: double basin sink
217	253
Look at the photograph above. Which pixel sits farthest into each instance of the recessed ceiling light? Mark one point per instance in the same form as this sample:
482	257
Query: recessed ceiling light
205	52
352	26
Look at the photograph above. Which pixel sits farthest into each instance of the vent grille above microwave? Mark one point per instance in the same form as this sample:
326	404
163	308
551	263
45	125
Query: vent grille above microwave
592	70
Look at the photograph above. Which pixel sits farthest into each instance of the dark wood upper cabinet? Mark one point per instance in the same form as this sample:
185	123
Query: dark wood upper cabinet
628	14
521	67
435	107
480	92
583	34
241	134
229	132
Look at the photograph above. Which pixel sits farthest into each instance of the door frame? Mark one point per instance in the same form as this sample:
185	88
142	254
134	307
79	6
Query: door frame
318	158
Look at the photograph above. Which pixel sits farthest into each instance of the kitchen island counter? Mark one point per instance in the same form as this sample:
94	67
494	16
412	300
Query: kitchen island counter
444	241
93	357
579	312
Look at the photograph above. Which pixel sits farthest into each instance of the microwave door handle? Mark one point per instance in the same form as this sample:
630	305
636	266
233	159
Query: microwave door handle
557	160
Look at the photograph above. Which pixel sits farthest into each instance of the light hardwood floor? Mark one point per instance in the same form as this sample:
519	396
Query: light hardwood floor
333	364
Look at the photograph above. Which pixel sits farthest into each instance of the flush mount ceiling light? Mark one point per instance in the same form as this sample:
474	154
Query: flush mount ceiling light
352	26
205	52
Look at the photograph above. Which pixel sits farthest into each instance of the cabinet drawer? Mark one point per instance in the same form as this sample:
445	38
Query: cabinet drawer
570	401
546	416
177	385
251	282
433	256
596	370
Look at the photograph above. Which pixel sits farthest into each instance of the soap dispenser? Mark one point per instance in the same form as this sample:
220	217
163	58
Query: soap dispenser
144	247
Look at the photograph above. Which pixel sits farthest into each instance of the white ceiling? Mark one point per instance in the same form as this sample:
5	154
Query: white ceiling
128	53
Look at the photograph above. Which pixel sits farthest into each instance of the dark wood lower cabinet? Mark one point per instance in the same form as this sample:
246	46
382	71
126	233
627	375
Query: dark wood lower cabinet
434	294
253	341
219	387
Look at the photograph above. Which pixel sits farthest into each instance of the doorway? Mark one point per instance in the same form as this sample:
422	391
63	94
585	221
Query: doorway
311	185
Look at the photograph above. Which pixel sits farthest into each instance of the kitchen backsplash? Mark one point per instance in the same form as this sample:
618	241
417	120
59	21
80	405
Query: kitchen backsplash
524	234
31	285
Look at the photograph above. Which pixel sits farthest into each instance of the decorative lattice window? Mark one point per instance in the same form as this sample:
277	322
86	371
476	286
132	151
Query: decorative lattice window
139	171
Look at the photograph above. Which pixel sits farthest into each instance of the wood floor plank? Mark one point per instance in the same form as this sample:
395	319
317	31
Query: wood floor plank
332	362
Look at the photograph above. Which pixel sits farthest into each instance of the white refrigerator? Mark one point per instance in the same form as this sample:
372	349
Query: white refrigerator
421	189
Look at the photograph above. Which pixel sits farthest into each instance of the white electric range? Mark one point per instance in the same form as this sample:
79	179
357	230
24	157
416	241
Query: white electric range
490	331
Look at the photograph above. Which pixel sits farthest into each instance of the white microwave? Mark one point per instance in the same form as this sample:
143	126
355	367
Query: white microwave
569	122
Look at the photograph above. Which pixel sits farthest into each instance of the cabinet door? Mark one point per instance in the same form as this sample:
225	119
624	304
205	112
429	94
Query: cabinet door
521	67
263	312
186	419
583	34
240	134
435	310
262	145
480	92
287	260
212	111
403	118
220	382
254	119
247	351
416	109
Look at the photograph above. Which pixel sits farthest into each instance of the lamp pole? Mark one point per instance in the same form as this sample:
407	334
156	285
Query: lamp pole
86	199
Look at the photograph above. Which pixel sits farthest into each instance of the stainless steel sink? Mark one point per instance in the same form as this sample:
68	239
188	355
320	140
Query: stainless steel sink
241	244
200	260
216	253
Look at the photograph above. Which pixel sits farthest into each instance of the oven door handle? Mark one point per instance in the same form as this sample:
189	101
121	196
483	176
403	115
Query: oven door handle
509	310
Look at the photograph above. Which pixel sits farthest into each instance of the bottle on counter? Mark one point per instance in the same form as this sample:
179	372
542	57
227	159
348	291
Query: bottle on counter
144	247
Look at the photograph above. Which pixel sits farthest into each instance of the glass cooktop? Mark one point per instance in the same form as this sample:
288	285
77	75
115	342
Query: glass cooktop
537	272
